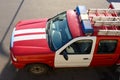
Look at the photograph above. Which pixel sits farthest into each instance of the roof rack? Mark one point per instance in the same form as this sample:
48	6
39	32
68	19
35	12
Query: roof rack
105	17
107	23
111	11
109	32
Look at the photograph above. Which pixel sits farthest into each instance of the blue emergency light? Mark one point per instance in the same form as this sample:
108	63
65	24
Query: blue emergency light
87	27
81	10
86	24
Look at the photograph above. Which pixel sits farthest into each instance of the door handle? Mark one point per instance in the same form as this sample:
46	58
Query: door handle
85	58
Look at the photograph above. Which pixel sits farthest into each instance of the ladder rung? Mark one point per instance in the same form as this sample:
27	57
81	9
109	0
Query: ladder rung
112	11
109	10
107	23
106	18
109	32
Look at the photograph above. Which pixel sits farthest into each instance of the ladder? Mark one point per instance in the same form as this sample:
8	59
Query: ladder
109	18
104	17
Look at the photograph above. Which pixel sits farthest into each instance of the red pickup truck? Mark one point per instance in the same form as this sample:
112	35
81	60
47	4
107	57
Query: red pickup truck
75	38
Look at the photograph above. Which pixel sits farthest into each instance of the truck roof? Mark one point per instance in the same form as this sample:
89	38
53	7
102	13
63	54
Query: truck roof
73	22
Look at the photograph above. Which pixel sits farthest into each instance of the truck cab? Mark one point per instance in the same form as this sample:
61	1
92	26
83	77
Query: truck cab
75	38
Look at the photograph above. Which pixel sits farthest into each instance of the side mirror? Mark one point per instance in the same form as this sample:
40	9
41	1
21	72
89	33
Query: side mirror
65	55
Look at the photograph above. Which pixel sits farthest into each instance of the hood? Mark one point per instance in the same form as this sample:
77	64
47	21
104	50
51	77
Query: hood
29	37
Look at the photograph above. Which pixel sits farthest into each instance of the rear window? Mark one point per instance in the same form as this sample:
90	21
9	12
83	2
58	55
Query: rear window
107	46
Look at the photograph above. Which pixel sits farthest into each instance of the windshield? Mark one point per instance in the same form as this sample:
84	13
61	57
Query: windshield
58	31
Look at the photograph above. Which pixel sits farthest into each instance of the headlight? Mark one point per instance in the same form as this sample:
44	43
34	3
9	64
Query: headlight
12	39
14	58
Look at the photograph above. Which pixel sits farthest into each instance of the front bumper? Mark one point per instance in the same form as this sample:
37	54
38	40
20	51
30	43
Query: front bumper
16	63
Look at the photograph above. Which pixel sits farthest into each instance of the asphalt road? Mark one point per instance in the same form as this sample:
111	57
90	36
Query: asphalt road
12	11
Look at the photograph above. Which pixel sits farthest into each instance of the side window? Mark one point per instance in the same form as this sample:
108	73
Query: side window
80	47
107	46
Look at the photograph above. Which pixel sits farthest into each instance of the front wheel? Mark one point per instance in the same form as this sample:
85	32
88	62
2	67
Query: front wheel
37	69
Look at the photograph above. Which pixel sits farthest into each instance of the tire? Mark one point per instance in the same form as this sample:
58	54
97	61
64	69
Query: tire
37	69
116	76
115	70
117	73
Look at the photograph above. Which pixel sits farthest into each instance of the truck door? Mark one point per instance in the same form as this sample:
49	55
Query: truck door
76	53
106	52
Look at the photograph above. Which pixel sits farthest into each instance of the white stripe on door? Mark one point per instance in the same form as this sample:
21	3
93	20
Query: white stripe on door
30	37
29	31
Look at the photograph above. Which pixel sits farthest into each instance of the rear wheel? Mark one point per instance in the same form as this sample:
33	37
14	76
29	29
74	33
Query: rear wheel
37	69
116	76
115	70
117	73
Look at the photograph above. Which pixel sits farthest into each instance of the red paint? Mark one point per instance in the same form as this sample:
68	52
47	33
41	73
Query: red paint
73	22
105	59
38	51
32	51
36	46
29	59
29	34
29	24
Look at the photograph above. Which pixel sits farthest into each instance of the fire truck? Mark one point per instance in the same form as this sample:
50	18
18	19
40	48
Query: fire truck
74	38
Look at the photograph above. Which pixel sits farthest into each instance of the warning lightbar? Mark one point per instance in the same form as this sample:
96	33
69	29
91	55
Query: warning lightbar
84	20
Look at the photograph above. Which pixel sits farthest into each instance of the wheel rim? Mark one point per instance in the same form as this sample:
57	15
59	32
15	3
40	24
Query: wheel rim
37	69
